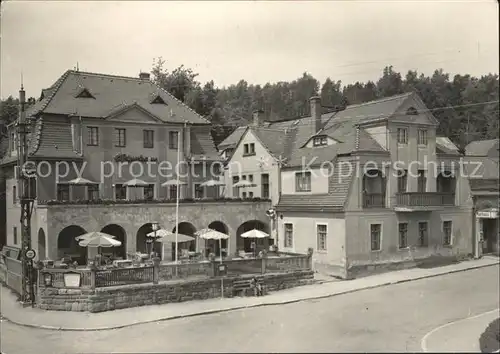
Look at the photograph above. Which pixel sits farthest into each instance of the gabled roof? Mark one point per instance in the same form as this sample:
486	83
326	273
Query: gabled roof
483	148
232	140
202	145
445	146
111	91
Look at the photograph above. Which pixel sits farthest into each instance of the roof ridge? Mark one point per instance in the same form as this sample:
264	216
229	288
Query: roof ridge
380	100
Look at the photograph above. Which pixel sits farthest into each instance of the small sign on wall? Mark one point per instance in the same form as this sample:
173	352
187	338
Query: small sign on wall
72	280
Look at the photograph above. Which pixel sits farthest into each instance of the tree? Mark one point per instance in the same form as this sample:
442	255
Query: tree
390	83
331	93
179	82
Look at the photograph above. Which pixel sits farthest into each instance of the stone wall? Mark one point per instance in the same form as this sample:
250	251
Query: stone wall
112	298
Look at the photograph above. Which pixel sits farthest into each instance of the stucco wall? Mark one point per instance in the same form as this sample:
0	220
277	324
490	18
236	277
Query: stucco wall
358	239
319	181
132	216
305	236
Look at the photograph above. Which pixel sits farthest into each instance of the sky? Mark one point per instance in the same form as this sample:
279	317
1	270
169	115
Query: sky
259	41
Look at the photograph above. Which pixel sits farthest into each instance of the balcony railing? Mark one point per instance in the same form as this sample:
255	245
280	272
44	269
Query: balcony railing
374	200
425	199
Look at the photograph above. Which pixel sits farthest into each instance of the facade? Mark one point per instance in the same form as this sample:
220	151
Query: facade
365	186
484	181
100	140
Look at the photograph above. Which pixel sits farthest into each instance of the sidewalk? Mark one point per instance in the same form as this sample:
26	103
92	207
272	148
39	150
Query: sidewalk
83	321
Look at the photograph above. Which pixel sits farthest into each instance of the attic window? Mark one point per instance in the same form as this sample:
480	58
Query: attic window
84	93
158	99
320	141
411	111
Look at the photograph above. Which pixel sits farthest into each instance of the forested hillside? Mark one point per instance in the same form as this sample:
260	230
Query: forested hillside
466	106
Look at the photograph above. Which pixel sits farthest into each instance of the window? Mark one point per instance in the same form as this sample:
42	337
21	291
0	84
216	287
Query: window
447	233
173	141
149	192
93	136
14	194
375	235
14	232
421	181
320	141
119	137
422	137
412	111
288	235
32	187
423	236
403	235
265	185
198	190
149	139
402	136
250	178
173	192
303	181
62	191
321	231
236	191
93	192
402	181
120	192
244	195
250	194
244	177
249	149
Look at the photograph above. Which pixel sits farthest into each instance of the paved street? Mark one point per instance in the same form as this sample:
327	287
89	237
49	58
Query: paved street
391	318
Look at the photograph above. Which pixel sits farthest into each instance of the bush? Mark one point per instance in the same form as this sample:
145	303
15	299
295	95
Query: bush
489	341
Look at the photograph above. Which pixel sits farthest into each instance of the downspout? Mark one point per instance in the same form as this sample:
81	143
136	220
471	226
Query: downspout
81	136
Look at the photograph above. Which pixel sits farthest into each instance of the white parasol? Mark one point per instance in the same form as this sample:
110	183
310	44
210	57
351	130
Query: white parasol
91	235
136	183
212	183
166	236
81	181
244	183
254	234
173	182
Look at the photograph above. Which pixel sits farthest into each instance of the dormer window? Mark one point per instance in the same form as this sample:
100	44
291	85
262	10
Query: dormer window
158	99
320	141
84	93
411	111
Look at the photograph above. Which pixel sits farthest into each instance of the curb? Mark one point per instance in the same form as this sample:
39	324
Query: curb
235	308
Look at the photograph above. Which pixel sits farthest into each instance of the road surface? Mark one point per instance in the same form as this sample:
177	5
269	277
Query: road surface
391	318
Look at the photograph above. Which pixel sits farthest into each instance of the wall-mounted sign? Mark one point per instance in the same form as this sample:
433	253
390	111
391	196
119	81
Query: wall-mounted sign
72	280
487	214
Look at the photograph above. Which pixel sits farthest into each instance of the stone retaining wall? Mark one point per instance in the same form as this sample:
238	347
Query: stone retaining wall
107	299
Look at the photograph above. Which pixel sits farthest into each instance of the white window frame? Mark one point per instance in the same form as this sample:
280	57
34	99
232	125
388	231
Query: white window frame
451	232
405	142
284	235
305	173
325	250
423	137
407	235
428	233
381	235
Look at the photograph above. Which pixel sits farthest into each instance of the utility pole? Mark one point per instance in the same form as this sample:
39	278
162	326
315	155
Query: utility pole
27	200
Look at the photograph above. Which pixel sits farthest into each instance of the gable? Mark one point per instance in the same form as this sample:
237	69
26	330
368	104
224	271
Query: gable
84	93
133	114
242	162
413	110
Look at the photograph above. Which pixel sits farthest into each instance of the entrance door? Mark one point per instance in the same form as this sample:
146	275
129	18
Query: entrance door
490	235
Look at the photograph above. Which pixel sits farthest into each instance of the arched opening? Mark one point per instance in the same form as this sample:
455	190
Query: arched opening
185	228
374	185
245	244
445	182
41	244
68	247
214	245
120	235
142	245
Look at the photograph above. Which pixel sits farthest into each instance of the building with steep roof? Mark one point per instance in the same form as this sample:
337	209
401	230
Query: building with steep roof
104	150
482	169
366	186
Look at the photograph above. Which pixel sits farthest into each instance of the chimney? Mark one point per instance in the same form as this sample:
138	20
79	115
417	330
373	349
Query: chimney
144	76
316	112
258	118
